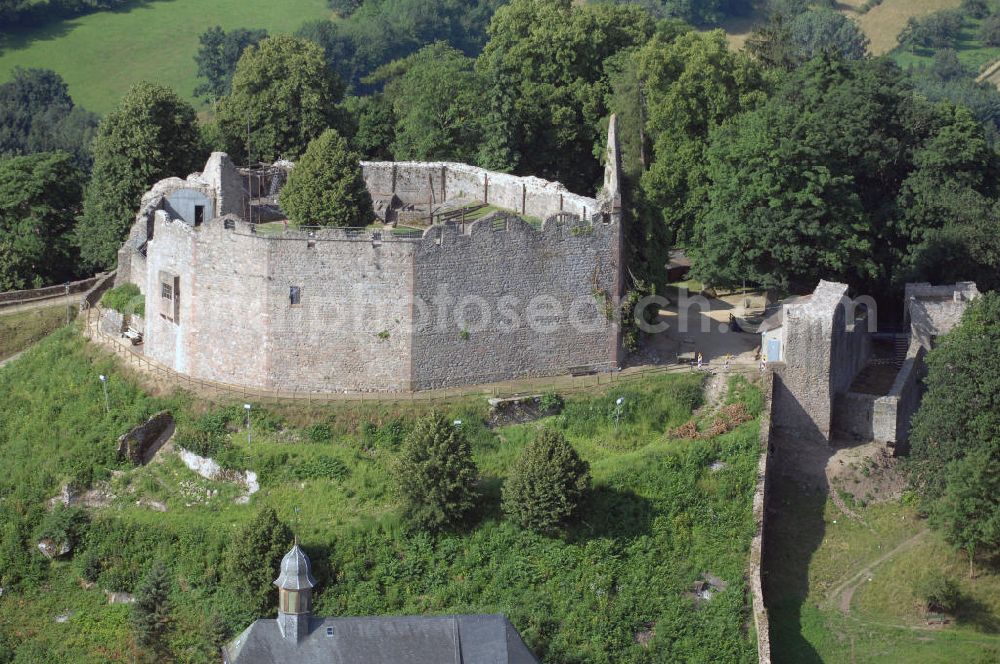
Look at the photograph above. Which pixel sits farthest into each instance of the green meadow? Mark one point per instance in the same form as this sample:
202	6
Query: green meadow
100	55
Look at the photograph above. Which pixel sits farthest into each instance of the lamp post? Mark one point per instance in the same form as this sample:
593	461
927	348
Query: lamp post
104	384
618	410
246	407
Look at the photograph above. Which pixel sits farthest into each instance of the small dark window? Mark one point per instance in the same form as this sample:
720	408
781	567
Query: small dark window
229	224
329	631
167	291
295	295
199	215
310	244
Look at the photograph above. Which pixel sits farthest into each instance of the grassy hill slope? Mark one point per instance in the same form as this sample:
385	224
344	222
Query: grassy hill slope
660	516
102	54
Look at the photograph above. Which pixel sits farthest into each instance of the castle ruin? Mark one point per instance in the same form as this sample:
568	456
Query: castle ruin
235	295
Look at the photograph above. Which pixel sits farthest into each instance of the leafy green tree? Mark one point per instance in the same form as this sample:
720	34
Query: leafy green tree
38	115
936	30
826	31
436	475
252	559
435	95
940	593
989	31
40	196
969	511
374	126
545	85
799	187
151	612
976	8
150	135
287	95
546	484
954	461
326	188
218	55
692	83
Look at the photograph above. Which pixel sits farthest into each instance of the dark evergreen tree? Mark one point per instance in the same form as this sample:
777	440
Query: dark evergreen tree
546	483
436	475
151	611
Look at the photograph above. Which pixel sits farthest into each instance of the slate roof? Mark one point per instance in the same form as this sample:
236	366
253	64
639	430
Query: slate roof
461	639
295	571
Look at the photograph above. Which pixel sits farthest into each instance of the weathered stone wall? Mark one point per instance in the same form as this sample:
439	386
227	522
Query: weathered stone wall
509	280
825	347
934	310
762	623
434	182
351	329
854	415
369	313
32	294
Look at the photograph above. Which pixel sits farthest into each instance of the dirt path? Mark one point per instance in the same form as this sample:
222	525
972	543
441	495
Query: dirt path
13	357
843	592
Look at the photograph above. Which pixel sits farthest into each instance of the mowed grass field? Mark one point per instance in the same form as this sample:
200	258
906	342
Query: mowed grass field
102	54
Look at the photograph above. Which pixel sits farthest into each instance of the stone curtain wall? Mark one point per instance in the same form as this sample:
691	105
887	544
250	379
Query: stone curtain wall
761	620
934	310
505	278
359	325
423	182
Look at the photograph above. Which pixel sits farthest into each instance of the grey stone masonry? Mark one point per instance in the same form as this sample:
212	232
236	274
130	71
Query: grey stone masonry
934	310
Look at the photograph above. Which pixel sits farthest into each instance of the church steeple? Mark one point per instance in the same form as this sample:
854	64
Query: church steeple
295	584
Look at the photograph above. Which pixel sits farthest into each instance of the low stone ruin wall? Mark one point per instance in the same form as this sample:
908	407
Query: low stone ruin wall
883	419
435	182
145	439
10	298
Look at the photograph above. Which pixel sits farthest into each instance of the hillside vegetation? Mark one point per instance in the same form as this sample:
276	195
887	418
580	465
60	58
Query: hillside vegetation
658	519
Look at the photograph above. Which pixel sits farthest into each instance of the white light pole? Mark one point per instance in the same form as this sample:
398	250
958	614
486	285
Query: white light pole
104	384
618	410
246	407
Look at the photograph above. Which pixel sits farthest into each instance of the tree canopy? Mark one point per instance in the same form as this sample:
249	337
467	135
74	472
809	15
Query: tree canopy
150	135
326	188
955	439
218	55
38	115
837	176
40	196
253	558
286	96
546	484
546	86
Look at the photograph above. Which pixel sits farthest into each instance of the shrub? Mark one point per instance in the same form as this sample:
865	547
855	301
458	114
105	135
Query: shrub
64	525
125	299
319	433
321	468
989	32
546	484
550	403
252	560
940	593
976	8
436	475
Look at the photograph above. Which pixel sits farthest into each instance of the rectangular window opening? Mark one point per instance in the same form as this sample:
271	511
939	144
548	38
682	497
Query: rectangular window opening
295	295
199	215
